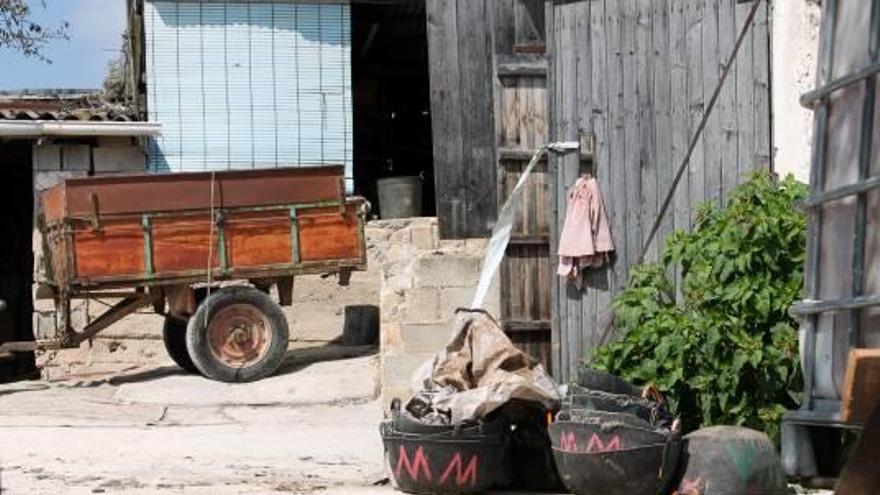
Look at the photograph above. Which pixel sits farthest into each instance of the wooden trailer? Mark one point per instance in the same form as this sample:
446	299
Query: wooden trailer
204	250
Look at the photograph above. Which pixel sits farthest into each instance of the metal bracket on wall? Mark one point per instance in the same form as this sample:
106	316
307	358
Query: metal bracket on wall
96	217
587	142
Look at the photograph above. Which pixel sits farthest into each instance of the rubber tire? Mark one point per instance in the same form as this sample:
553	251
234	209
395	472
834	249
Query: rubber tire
210	366
174	336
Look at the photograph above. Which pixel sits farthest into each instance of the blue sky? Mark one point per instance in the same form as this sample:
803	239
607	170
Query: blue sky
96	28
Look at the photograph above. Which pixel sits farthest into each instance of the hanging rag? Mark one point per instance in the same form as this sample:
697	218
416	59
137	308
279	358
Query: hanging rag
586	239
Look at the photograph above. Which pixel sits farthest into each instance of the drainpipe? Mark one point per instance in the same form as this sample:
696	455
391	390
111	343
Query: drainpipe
48	128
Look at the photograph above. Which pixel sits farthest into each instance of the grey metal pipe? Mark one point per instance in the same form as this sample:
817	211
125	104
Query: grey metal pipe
39	128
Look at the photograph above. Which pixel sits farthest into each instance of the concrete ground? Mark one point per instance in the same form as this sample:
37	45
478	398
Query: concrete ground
311	427
117	416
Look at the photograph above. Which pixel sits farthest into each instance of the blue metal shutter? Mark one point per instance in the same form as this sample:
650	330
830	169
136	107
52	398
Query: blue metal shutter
249	84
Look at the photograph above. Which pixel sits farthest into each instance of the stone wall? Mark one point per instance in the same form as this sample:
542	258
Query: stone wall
423	281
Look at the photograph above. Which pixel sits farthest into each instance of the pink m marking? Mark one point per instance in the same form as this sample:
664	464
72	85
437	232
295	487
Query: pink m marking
597	445
412	467
461	476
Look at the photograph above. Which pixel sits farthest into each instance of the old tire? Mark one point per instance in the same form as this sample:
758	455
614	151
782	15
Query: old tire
174	336
238	334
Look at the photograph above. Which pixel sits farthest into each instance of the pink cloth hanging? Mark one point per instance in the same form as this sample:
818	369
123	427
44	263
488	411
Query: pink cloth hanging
586	239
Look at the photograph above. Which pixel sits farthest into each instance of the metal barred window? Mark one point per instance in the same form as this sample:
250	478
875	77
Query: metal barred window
249	84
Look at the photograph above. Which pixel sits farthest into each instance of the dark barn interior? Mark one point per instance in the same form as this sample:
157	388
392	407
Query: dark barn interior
16	257
392	119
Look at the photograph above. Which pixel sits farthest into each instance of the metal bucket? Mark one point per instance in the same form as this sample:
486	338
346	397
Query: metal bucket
400	197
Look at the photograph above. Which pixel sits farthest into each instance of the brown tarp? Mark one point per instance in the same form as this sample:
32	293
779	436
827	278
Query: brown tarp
480	370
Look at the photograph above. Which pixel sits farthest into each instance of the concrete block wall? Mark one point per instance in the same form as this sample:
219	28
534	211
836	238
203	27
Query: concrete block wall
423	281
53	163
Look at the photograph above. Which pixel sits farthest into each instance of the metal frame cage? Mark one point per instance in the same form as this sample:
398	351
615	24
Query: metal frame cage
802	430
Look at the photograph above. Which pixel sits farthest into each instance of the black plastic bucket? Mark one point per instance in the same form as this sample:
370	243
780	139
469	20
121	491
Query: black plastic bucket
606	382
638	471
531	452
596	400
596	431
457	461
613	453
533	462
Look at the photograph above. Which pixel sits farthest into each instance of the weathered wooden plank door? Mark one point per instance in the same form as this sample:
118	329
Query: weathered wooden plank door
460	54
489	113
635	76
521	115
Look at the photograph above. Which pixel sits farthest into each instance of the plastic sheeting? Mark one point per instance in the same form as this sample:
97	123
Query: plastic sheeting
480	371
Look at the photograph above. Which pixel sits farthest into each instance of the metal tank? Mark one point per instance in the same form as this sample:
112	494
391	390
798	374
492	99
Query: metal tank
841	306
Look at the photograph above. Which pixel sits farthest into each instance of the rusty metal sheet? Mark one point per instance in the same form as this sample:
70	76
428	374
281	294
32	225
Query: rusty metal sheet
151	193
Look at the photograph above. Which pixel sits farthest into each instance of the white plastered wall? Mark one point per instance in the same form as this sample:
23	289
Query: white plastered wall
795	43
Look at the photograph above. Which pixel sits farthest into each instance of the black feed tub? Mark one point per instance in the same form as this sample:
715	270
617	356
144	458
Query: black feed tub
457	461
606	382
602	453
584	399
533	462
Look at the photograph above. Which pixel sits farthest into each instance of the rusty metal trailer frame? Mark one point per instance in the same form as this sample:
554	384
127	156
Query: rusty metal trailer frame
799	456
149	289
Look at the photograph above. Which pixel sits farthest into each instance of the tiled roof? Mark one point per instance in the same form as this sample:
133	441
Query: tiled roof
61	105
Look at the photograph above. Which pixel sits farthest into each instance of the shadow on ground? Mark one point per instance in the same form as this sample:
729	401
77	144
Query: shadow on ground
296	360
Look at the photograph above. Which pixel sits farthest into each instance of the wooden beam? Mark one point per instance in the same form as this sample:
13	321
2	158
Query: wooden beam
861	386
511	69
527	325
530	240
860	476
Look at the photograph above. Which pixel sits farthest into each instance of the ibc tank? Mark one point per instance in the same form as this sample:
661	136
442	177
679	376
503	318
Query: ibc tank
841	307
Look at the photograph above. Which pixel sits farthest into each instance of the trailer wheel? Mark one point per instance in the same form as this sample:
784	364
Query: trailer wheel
174	336
238	334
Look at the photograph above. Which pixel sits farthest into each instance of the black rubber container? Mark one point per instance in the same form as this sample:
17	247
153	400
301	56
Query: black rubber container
606	382
730	460
597	400
604	453
457	461
533	462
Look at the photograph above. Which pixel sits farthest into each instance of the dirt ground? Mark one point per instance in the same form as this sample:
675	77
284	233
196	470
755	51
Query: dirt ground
117	416
311	427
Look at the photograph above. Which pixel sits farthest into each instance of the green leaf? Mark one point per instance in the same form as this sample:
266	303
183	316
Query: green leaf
726	351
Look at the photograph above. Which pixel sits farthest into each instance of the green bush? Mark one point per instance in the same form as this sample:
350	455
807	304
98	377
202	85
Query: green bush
726	352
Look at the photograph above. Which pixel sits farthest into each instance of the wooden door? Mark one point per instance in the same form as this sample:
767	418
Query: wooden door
521	111
636	76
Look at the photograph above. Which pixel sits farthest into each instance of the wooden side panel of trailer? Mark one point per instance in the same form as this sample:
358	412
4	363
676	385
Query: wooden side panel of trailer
270	227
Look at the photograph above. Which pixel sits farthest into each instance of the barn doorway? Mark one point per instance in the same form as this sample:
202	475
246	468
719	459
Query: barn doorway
16	255
391	95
